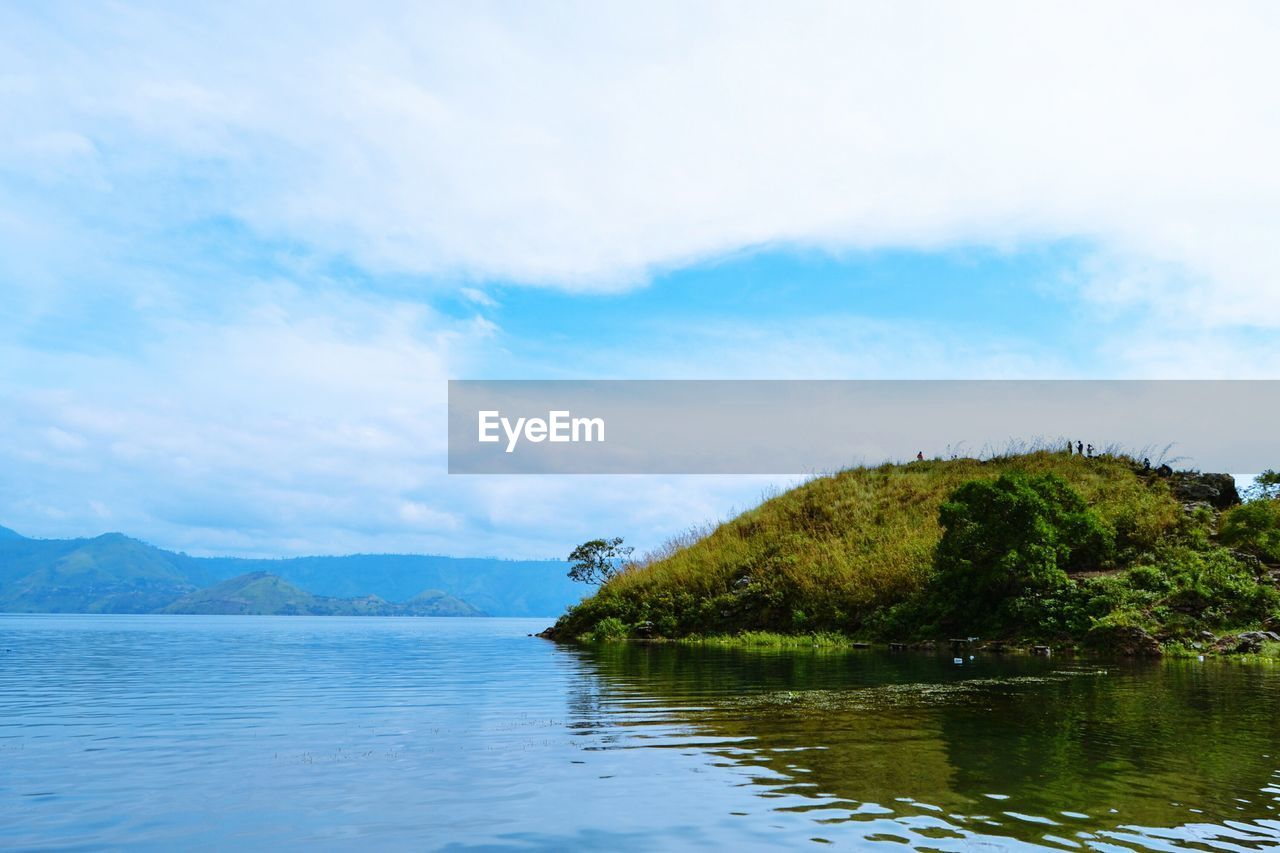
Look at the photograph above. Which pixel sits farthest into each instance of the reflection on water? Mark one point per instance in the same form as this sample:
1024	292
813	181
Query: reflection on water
918	750
160	732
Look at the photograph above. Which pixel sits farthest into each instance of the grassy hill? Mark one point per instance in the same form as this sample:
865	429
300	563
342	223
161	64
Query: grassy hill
263	594
855	553
256	594
433	602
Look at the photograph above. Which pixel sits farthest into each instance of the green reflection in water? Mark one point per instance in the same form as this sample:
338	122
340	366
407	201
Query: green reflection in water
916	748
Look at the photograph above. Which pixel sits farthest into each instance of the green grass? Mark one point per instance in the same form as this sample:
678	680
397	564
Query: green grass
773	640
840	556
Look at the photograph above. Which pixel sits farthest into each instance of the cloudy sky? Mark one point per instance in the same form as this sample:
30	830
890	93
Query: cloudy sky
242	247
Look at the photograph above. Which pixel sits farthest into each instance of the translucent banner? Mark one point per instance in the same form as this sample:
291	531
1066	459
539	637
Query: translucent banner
799	427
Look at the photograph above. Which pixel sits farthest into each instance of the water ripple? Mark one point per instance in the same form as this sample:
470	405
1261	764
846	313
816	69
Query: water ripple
329	733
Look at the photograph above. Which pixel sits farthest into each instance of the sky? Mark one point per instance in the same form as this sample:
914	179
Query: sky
243	249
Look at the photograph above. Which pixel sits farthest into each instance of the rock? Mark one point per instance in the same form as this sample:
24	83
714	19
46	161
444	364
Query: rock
1193	492
1193	508
897	647
742	582
644	629
1248	643
1217	490
1207	636
1249	646
1250	561
1041	651
548	633
1124	640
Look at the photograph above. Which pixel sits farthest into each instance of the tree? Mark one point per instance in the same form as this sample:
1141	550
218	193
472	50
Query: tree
1015	536
1266	486
598	560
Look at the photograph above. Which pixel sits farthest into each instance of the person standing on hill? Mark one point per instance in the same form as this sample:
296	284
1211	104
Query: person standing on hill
920	456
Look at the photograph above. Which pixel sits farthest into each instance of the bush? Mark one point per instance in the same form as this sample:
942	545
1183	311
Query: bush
1216	589
609	628
1254	527
1007	545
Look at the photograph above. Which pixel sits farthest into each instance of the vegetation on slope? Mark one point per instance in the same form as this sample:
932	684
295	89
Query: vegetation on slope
263	594
107	574
497	586
1041	546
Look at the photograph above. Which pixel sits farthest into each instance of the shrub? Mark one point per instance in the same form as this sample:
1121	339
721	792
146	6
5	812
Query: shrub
1008	543
1254	527
609	628
1217	589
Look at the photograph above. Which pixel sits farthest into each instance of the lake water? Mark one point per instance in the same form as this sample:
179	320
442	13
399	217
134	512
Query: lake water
329	733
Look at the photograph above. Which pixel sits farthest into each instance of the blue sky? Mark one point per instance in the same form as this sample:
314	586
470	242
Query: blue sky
241	251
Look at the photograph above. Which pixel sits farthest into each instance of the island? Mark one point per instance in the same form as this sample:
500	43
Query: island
1045	551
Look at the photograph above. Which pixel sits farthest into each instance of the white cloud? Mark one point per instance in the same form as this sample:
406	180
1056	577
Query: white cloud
301	423
479	297
582	146
297	412
307	422
586	145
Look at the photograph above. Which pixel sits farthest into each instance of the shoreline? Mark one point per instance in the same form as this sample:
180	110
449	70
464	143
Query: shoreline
1226	648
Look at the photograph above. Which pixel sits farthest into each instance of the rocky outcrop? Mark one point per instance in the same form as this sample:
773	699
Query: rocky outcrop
1216	490
1248	643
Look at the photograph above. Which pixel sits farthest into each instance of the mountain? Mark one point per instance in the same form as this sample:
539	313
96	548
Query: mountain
107	574
433	602
498	587
114	573
263	594
257	593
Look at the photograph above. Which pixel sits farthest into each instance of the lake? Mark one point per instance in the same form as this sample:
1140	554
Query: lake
158	732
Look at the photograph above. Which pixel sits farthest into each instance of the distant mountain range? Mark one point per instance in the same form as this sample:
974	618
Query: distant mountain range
260	593
114	573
